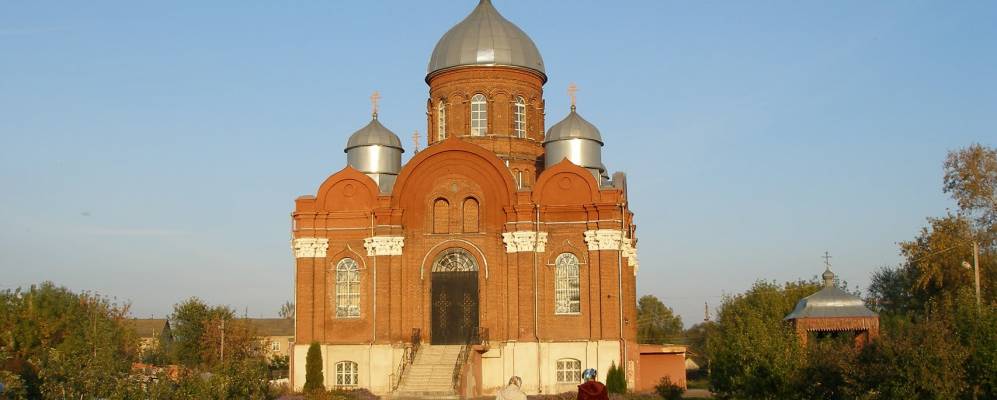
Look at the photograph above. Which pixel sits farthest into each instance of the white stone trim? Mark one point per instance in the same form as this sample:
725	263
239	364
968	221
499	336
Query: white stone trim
604	239
310	247
630	252
384	245
525	241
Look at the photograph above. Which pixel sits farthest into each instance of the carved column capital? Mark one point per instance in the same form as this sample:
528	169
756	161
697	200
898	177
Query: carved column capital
525	241
384	245
310	247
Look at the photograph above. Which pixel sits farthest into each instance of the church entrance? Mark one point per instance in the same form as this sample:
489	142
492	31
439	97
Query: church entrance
454	299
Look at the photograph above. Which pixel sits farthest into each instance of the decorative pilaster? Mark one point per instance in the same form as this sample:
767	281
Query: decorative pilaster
525	241
310	247
384	245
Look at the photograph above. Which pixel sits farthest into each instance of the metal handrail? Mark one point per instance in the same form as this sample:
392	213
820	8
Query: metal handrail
474	337
408	357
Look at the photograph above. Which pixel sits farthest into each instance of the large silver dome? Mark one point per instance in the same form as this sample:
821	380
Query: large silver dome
577	140
377	152
485	37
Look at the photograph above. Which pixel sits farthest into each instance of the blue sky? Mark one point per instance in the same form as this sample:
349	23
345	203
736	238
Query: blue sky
152	152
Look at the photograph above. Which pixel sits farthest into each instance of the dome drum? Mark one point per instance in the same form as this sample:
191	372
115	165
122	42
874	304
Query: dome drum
582	152
377	152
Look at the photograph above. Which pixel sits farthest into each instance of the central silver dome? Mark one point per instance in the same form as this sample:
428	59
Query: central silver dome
377	152
485	37
577	140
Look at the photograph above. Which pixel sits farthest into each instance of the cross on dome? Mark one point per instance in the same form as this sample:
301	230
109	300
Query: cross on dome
572	91
415	140
374	98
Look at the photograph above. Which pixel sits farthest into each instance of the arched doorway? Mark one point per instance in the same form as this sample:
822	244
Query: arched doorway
454	298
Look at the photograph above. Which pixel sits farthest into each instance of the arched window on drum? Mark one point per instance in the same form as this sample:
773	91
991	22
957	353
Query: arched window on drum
441	120
566	293
519	112
347	289
471	213
479	115
441	216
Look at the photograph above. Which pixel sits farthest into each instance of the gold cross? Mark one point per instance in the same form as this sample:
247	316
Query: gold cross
572	90
373	101
415	140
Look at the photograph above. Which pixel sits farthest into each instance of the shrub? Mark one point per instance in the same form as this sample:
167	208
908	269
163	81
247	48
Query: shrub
615	381
668	390
313	369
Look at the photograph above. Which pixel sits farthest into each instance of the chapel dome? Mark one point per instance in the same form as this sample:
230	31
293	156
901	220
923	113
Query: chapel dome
830	302
485	37
377	152
374	134
577	140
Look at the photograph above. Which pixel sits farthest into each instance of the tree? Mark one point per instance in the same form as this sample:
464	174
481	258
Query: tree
188	324
616	381
753	353
59	344
912	360
313	369
971	180
286	310
656	323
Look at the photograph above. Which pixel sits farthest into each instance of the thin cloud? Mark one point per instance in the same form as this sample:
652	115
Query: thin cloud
111	231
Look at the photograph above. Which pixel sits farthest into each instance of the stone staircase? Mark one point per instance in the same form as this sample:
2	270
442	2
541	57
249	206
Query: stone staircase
431	374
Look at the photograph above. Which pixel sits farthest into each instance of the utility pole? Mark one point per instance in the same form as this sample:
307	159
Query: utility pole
976	268
223	341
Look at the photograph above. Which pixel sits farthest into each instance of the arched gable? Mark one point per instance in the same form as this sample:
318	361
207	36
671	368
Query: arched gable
566	184
347	190
420	179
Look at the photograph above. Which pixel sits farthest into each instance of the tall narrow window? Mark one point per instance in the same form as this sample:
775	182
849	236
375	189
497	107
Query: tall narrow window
441	120
569	370
479	115
470	215
347	289
520	121
347	373
441	216
519	179
566	296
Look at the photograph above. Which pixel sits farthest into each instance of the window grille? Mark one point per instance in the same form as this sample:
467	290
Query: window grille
441	120
569	370
479	115
347	289
455	260
566	294
520	118
347	373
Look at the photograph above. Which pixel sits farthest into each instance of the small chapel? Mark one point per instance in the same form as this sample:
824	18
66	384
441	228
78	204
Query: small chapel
500	249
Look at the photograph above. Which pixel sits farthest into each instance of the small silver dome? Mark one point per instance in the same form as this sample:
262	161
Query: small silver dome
377	152
571	127
577	140
485	37
374	134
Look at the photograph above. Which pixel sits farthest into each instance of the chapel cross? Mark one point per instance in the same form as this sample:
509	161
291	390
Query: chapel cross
373	102
827	260
415	140
572	90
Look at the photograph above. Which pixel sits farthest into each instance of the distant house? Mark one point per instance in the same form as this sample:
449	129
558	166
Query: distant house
275	334
151	332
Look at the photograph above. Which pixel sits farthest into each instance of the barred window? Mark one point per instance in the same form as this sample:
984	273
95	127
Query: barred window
566	296
441	120
569	370
347	289
479	115
520	121
346	374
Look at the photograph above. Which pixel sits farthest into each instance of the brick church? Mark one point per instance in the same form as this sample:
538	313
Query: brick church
499	249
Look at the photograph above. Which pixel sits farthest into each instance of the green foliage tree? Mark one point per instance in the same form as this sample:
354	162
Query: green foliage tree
971	180
754	354
60	344
656	323
313	369
912	360
616	381
188	321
